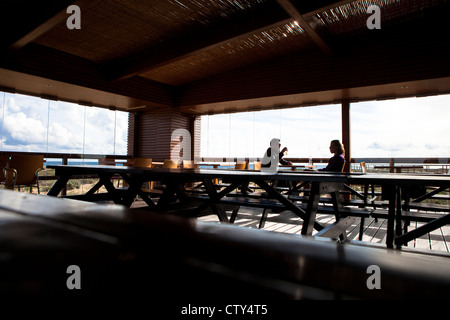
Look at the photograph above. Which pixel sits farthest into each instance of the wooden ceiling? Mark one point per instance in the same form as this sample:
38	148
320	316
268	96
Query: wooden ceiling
202	57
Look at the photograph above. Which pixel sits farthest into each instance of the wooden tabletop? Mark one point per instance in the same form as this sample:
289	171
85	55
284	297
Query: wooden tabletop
196	174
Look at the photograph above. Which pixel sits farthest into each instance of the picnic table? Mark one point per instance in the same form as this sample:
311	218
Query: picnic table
175	179
398	187
394	186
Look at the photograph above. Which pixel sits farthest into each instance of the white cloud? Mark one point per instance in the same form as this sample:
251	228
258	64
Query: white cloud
411	127
24	129
401	128
30	122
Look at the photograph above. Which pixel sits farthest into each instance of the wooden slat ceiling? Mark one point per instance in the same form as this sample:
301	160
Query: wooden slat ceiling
203	56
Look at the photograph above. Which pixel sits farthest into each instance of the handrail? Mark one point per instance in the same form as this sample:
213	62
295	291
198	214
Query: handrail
425	161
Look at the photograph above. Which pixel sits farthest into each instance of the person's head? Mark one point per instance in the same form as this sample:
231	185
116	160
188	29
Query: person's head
337	147
275	143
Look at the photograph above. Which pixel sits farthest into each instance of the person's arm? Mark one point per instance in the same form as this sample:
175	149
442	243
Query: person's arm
282	161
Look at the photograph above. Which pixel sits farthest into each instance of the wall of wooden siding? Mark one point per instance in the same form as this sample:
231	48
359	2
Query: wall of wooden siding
196	137
150	133
131	139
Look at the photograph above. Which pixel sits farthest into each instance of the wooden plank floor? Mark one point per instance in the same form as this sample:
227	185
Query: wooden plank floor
374	231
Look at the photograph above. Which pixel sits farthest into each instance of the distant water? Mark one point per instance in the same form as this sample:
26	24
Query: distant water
53	162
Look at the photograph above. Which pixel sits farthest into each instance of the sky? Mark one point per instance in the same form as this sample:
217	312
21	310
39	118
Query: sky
37	125
406	127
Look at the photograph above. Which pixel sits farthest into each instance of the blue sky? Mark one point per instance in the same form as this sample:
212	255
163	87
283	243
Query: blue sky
407	127
38	125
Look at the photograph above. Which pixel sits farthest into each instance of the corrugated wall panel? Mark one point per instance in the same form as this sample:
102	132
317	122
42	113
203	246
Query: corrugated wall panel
197	137
131	140
155	132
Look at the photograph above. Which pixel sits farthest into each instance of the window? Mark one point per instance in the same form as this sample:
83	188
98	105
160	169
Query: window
408	127
30	124
306	131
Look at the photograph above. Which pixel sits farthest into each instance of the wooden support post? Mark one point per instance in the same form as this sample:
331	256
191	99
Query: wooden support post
346	133
136	136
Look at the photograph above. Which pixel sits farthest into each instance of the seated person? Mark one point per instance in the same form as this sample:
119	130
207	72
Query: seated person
268	157
336	163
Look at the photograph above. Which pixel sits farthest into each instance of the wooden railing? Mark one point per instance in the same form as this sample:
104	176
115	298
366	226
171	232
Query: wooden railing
47	176
390	161
430	165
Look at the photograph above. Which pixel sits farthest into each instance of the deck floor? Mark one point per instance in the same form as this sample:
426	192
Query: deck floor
374	232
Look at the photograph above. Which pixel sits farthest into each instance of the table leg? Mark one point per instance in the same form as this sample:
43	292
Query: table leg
214	198
134	189
58	186
313	203
167	195
391	191
287	203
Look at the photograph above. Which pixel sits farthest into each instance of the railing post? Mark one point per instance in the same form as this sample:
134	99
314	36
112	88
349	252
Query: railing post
65	161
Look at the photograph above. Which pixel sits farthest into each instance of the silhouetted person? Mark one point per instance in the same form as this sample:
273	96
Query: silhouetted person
269	158
336	162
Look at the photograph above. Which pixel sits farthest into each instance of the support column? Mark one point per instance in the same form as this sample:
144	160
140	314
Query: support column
195	131
152	133
345	111
133	136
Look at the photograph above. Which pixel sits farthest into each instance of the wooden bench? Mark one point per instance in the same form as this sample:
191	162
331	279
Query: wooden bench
274	205
429	207
409	215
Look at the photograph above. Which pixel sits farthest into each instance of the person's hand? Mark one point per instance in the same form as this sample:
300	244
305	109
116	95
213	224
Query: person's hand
289	163
284	150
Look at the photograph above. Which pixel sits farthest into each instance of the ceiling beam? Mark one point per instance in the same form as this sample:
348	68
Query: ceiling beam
63	68
34	22
327	7
184	46
298	17
407	53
